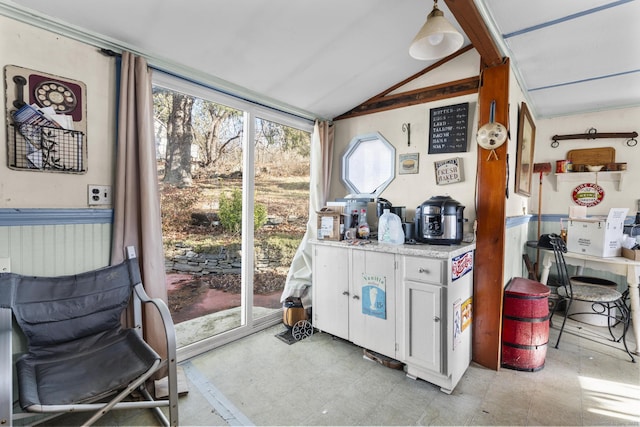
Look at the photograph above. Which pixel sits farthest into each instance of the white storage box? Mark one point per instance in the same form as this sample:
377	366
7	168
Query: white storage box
599	236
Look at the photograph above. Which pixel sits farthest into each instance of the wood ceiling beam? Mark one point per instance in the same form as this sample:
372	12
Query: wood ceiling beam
382	102
418	96
422	72
471	22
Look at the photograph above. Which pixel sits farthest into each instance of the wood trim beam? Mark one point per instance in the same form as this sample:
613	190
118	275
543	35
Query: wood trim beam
422	72
469	18
491	216
418	96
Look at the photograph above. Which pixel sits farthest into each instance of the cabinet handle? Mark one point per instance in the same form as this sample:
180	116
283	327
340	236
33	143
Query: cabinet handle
345	293
436	319
423	270
356	297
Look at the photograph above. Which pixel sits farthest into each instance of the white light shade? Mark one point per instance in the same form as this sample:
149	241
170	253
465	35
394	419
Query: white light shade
436	39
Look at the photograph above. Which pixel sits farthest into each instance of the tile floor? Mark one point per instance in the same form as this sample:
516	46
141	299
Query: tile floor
261	380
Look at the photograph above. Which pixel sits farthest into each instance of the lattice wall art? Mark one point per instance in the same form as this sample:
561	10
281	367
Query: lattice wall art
46	122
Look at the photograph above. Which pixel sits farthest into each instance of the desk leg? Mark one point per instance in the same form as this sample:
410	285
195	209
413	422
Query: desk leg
546	266
633	273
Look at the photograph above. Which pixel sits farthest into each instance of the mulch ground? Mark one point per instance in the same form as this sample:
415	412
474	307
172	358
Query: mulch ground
193	296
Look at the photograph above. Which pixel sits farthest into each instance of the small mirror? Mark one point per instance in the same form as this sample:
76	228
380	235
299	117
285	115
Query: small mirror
368	164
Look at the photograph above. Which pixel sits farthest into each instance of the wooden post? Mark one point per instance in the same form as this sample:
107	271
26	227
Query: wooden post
491	217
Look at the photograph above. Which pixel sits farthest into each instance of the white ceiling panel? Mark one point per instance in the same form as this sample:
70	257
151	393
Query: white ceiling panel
597	95
565	52
323	59
515	15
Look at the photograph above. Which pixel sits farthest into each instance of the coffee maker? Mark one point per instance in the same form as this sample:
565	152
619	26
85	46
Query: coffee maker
382	204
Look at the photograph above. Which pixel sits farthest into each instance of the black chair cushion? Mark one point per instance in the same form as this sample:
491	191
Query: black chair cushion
83	370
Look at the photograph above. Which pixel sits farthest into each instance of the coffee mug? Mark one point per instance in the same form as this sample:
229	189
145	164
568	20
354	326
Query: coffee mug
351	233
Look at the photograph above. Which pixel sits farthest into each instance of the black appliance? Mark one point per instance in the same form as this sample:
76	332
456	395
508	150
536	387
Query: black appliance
382	204
439	221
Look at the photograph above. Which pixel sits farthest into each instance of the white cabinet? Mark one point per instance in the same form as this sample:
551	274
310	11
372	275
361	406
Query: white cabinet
410	303
330	290
436	306
423	325
372	309
354	296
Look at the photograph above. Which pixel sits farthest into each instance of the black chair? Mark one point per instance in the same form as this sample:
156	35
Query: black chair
79	356
603	299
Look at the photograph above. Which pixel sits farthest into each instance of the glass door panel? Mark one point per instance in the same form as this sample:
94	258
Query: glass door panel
200	168
281	156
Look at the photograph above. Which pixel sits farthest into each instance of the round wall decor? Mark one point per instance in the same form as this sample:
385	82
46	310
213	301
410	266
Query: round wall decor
56	95
587	194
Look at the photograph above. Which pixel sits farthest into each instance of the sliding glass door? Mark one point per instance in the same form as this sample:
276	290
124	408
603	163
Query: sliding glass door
234	180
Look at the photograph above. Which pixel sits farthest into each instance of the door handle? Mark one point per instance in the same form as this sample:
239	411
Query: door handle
345	293
356	297
436	319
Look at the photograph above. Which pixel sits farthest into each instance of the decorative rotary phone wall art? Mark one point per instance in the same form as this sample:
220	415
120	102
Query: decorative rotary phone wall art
491	135
46	121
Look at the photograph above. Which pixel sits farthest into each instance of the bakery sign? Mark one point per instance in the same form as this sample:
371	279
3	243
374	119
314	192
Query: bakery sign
587	194
449	171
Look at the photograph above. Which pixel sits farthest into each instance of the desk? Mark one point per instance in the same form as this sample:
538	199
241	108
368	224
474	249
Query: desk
617	265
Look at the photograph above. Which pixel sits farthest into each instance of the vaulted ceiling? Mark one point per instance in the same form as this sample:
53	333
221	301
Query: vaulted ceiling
321	60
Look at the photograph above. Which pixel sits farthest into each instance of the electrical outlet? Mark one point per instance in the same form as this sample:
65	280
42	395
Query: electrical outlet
5	265
99	194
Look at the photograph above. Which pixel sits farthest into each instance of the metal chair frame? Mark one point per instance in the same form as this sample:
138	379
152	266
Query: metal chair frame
97	403
608	298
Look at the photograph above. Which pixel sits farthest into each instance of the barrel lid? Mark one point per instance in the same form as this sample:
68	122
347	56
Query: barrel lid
522	286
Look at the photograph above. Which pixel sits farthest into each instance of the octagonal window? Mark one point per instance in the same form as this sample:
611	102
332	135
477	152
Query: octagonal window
368	164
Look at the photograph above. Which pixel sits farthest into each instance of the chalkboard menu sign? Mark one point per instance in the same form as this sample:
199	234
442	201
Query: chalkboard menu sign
448	129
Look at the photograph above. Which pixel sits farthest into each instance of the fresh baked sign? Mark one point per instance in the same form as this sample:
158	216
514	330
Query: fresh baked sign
449	171
588	194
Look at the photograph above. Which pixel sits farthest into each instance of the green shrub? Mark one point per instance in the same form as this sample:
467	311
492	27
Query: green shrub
230	212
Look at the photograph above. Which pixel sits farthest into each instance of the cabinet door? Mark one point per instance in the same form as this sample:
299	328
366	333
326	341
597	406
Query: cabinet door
423	325
372	308
331	290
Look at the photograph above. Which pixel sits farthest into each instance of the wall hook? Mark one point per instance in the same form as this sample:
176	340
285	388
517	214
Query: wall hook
406	127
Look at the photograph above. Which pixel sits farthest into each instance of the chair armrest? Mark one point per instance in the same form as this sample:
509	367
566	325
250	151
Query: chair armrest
172	362
6	365
165	315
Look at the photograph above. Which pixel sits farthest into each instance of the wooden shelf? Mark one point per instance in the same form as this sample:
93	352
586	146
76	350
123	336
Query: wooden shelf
614	176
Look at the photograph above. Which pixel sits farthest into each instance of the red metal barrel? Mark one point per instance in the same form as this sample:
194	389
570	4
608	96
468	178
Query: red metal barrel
525	325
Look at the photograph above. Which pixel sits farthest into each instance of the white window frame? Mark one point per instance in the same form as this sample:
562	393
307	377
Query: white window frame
252	111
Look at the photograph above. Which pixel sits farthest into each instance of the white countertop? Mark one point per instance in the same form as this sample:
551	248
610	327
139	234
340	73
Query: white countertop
418	249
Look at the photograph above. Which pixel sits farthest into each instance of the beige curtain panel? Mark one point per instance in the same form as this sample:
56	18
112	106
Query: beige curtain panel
136	210
298	284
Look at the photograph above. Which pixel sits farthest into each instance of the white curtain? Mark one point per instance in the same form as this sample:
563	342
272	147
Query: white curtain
136	210
298	284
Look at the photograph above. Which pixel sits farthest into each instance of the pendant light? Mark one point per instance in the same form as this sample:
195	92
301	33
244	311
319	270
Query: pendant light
437	38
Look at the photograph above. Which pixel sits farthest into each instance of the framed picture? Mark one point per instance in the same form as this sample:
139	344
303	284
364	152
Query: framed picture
524	156
408	163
